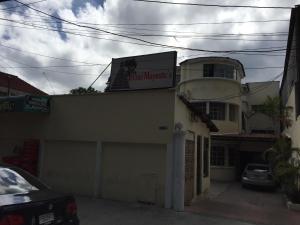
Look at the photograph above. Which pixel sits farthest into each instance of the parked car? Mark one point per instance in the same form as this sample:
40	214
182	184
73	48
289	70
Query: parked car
258	175
24	200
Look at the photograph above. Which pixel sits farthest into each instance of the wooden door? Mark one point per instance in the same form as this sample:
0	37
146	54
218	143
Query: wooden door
189	171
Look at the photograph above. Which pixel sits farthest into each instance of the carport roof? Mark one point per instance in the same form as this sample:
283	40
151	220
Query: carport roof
246	137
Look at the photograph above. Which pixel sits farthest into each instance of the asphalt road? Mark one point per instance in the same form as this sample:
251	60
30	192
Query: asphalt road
105	212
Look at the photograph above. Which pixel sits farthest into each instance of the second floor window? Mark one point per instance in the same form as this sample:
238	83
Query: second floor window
217	110
201	107
218	70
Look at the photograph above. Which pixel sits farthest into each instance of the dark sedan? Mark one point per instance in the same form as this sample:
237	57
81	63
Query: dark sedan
26	201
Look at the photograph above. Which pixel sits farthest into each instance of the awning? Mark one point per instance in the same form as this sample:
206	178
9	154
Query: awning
25	103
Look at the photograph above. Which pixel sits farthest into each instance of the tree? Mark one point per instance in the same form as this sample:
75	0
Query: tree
285	161
273	108
83	91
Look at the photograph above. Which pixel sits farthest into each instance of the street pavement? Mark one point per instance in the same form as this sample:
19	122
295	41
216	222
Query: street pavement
230	200
105	212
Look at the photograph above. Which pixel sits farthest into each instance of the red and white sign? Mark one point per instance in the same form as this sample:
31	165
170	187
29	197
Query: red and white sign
143	72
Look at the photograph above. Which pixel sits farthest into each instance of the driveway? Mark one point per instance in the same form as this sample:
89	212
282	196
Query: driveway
230	200
104	212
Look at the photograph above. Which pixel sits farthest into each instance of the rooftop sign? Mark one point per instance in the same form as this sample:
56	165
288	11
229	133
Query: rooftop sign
143	72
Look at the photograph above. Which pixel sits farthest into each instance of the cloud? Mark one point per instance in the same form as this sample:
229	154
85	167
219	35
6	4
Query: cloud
71	42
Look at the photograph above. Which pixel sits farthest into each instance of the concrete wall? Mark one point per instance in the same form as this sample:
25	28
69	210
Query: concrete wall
194	128
130	130
69	166
294	130
194	70
222	173
205	89
119	116
259	91
134	172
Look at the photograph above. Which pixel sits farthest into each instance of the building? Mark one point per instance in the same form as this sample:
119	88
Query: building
290	86
11	85
213	86
254	96
147	146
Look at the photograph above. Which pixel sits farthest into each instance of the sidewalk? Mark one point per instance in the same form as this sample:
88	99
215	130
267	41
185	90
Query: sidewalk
232	201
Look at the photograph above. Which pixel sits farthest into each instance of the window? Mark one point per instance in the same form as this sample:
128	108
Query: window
217	111
222	70
217	156
208	70
218	70
233	112
201	107
206	158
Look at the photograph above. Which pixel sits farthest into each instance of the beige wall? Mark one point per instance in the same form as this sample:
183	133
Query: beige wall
216	88
294	130
118	116
222	173
183	116
259	91
76	125
134	172
69	166
195	70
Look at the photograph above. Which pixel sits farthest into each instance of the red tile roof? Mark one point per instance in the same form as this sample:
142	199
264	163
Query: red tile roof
18	84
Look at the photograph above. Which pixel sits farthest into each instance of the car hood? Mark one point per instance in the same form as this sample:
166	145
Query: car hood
36	196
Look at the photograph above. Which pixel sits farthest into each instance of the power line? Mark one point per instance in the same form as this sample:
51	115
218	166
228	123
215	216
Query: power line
170	24
215	5
100	75
139	39
191	33
18	6
47	56
55	71
168	36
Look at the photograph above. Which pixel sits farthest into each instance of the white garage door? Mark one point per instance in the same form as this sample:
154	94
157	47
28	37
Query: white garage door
134	172
69	166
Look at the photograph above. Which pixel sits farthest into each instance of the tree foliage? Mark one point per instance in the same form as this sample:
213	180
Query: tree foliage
83	91
285	163
273	108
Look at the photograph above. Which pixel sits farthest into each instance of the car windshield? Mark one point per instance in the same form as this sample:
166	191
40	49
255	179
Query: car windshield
16	182
258	168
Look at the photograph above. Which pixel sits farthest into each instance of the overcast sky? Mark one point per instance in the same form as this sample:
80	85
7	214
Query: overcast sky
56	76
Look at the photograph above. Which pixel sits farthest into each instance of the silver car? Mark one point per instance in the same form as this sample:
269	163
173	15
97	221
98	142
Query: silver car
258	175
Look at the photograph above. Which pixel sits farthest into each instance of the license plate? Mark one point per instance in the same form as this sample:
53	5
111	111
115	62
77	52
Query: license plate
46	218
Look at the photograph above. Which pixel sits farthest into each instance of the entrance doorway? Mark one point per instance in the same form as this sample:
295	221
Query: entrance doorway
189	171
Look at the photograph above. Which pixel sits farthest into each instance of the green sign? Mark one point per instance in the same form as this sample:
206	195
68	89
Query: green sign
26	103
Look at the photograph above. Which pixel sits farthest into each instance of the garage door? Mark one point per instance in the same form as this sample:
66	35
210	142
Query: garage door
134	172
69	166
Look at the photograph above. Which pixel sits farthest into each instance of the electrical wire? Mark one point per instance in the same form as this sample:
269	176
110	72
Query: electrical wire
108	65
214	5
18	6
139	39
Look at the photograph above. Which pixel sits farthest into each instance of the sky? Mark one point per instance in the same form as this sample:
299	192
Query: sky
56	56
